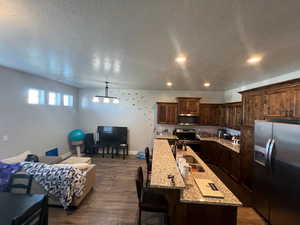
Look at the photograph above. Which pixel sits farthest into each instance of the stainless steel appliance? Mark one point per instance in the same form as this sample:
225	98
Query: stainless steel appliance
188	120
221	133
276	177
188	136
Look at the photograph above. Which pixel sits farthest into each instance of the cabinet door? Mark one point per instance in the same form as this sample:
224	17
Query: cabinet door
172	113
222	116
246	155
295	106
209	114
161	113
235	166
188	106
204	114
277	103
252	107
167	113
238	116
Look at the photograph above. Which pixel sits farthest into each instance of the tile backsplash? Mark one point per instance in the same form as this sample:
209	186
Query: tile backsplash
201	130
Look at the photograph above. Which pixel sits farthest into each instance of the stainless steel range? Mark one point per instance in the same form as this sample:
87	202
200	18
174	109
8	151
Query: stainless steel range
187	136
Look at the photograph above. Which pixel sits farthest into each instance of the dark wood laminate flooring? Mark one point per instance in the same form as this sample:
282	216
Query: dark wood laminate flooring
114	202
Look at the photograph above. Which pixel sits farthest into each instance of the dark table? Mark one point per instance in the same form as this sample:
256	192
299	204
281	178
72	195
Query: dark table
14	205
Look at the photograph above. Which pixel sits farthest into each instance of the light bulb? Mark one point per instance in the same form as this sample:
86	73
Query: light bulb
95	99
116	101
106	100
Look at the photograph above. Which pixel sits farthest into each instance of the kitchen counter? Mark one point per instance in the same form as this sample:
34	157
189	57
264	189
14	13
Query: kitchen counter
227	143
192	194
166	136
163	165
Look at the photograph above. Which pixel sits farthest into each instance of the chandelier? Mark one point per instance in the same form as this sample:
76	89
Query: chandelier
106	98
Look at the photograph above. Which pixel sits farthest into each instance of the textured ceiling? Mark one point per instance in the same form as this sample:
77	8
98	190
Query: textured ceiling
133	43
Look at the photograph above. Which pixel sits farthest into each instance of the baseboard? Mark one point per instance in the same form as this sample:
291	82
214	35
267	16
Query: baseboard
133	152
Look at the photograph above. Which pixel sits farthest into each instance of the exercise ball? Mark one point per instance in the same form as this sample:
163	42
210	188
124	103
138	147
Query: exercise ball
76	135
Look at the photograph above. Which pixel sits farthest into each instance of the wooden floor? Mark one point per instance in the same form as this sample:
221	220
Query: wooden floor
114	202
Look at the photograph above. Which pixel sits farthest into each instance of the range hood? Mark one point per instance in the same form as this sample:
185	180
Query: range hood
188	120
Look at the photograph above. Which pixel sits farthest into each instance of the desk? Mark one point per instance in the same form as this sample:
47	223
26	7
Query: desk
15	205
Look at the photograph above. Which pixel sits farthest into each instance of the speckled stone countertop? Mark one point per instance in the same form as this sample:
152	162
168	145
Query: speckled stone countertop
166	136
164	164
192	194
224	142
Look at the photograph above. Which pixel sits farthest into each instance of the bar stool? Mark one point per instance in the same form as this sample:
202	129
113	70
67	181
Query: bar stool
149	200
149	164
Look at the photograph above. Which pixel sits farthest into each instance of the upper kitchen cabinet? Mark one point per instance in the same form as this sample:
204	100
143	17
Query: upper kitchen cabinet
209	114
277	103
223	115
234	115
295	104
252	107
167	113
188	106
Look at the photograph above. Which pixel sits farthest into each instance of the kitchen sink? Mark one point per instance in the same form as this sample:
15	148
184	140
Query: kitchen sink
195	166
190	159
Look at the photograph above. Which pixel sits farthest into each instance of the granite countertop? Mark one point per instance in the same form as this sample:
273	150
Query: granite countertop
166	136
192	194
164	164
227	143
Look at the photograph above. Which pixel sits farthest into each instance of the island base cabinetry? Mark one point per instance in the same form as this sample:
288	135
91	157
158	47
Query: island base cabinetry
197	214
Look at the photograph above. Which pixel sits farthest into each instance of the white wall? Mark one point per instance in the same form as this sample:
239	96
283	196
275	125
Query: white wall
234	96
137	111
32	127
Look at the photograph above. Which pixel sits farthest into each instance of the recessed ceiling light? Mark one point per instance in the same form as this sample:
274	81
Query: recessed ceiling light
169	84
206	84
254	59
180	59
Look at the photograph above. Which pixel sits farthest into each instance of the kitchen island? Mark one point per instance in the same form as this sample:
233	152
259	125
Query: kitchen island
187	204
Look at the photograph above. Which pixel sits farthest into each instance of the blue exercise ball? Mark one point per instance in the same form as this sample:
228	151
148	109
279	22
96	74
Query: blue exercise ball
76	135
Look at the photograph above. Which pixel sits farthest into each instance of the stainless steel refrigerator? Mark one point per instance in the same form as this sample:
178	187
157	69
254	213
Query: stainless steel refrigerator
276	177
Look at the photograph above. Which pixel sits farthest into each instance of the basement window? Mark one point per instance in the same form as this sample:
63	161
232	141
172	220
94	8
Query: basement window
68	100
54	98
36	97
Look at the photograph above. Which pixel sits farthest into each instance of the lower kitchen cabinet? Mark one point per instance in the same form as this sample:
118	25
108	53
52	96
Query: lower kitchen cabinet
235	166
216	154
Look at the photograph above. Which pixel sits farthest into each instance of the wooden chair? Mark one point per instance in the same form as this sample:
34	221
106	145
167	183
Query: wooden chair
36	215
149	200
15	183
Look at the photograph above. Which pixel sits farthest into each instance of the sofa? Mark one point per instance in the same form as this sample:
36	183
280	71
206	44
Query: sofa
38	189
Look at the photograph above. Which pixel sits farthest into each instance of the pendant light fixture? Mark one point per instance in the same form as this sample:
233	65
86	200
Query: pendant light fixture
106	98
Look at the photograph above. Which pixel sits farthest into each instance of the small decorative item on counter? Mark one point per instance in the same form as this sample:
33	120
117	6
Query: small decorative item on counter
171	177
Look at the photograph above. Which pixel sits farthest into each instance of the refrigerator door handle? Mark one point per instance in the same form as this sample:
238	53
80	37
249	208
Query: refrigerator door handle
267	148
271	151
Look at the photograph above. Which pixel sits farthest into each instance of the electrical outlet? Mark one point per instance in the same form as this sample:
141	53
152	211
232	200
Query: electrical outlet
5	138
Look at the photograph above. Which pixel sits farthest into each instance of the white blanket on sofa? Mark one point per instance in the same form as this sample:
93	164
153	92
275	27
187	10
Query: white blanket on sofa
62	182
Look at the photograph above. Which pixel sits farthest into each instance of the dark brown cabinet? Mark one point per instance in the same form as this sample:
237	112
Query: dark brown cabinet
216	154
234	115
252	107
188	106
222	115
295	104
277	103
209	114
167	113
